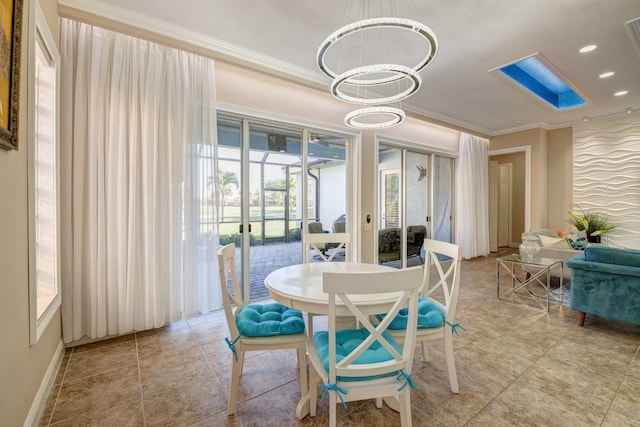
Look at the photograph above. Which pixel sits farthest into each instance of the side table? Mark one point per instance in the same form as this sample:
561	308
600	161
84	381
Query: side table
525	286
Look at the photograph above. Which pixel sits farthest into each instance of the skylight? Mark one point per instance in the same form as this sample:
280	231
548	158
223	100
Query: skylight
537	77
634	32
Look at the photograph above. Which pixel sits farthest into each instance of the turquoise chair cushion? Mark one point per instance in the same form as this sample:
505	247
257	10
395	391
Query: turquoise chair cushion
429	316
346	341
264	320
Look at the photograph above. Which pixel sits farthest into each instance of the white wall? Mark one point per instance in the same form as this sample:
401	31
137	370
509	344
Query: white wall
22	366
606	173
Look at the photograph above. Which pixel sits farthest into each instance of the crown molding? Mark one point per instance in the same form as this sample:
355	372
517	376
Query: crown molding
115	18
99	13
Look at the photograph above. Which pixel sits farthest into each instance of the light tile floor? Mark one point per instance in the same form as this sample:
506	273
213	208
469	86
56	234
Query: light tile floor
515	367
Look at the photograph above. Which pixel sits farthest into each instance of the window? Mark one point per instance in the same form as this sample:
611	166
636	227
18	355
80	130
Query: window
44	261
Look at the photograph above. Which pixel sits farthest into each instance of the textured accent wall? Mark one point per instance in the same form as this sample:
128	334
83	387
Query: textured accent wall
606	173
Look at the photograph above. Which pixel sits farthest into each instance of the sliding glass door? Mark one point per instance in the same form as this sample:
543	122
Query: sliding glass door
442	222
261	194
415	202
328	190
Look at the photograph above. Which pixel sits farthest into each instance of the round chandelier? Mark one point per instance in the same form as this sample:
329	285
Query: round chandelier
375	76
396	116
396	72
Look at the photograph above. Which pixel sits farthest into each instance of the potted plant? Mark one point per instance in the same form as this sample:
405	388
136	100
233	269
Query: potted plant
593	223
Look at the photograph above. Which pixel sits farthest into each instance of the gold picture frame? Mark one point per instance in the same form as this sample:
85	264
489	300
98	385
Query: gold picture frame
10	41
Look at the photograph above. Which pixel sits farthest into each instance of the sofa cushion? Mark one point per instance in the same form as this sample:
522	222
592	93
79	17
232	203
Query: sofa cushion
610	255
554	242
577	240
389	240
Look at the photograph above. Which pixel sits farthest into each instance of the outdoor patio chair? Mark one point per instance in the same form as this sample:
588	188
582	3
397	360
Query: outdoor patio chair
415	240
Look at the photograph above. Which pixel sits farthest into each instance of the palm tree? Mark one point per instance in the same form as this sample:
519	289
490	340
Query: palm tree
226	180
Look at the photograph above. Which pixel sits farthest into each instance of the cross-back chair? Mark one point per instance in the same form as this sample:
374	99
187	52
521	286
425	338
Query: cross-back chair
438	301
365	363
257	327
320	242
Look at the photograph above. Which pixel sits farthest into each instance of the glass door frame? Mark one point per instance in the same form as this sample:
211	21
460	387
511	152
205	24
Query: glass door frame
352	167
404	147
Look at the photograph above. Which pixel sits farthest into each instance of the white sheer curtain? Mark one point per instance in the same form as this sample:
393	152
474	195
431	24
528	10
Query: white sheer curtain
138	138
472	196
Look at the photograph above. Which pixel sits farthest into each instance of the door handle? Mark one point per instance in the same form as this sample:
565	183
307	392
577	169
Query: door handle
241	228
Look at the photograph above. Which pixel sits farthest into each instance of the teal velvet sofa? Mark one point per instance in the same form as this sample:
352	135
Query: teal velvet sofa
605	281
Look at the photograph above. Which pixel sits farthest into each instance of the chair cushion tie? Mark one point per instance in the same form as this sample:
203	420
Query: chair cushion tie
232	347
407	380
339	391
454	327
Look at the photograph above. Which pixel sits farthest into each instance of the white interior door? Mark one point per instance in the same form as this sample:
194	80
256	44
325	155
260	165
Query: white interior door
504	221
493	205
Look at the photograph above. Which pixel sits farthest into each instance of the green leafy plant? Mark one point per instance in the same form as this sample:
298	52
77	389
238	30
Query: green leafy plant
593	223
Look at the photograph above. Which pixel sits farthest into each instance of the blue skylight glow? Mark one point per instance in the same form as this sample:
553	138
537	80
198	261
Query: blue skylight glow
533	75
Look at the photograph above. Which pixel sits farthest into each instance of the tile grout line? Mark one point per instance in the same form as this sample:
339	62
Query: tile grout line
517	378
626	375
144	416
213	370
64	374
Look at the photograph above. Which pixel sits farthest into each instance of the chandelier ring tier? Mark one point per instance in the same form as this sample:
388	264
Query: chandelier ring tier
376	23
377	69
397	117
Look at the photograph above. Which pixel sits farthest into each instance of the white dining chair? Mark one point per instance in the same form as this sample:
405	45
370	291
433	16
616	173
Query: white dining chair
438	301
365	363
320	242
257	327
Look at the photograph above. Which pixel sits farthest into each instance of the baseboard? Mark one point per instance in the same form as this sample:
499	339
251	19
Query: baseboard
40	401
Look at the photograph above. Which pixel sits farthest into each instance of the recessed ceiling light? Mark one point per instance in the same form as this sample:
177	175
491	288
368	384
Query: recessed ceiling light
518	122
607	74
585	118
588	48
621	93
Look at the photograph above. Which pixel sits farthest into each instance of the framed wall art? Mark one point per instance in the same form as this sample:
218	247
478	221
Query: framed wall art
10	40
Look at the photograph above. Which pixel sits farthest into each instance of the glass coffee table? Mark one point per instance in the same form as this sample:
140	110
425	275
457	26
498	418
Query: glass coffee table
529	277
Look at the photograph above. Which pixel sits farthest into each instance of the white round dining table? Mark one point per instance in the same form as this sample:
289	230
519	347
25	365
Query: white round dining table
299	286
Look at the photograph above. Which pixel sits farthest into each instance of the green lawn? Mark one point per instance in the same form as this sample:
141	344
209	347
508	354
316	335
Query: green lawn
273	228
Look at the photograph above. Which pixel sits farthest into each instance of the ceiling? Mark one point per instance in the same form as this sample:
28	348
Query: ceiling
474	37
